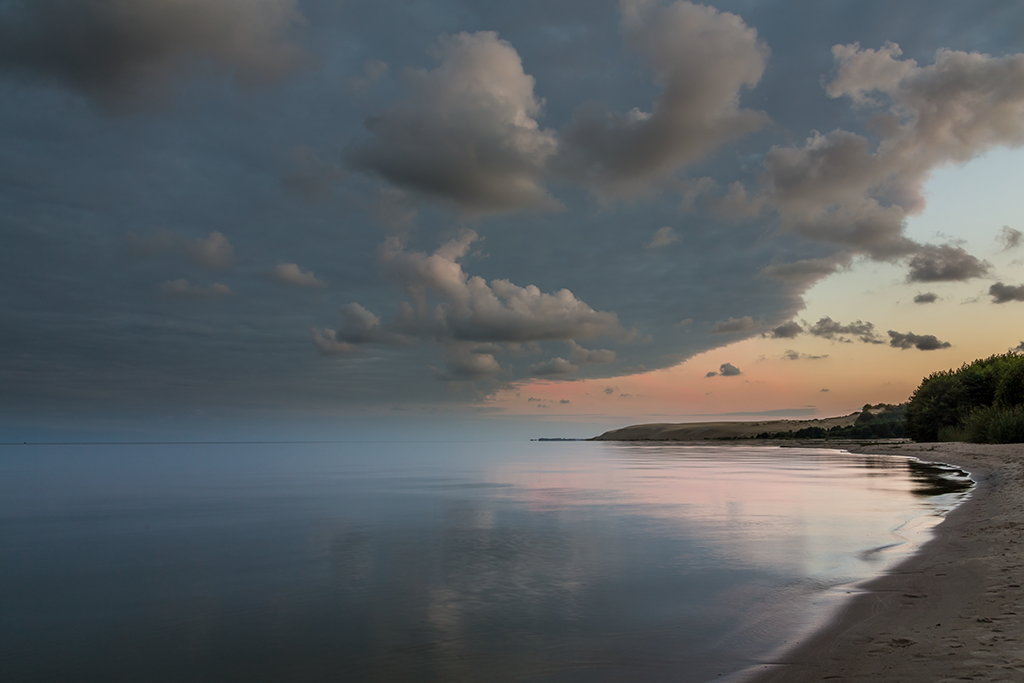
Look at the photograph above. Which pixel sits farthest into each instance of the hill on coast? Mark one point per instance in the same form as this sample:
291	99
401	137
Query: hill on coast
700	431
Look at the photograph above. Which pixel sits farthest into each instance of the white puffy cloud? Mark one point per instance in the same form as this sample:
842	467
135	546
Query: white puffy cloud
471	318
183	288
213	251
124	51
292	274
702	59
467	131
469	308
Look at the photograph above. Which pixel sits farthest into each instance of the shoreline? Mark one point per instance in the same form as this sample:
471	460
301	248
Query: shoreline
952	611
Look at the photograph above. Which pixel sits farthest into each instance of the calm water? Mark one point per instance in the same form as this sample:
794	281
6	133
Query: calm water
579	561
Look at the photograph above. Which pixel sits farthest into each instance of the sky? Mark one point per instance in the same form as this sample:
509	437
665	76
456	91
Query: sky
311	217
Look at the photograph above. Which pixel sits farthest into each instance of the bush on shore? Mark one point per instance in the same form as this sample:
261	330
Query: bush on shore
981	402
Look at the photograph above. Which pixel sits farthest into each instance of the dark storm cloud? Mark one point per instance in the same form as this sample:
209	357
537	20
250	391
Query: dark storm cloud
729	370
926	298
945	263
922	342
804	272
563	100
118	51
467	131
183	288
1001	293
732	325
787	330
701	59
830	329
553	367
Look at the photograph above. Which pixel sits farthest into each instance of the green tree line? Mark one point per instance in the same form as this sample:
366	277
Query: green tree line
981	402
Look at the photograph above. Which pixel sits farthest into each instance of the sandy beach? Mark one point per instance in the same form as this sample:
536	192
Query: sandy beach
952	612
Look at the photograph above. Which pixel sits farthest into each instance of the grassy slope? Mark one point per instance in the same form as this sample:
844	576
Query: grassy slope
699	431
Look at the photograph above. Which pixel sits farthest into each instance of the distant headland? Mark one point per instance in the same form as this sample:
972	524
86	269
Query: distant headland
882	421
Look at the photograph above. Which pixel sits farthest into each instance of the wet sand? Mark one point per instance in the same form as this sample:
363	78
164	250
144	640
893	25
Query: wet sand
952	612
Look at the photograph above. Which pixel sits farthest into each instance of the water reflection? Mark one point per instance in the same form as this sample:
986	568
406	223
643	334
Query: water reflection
559	562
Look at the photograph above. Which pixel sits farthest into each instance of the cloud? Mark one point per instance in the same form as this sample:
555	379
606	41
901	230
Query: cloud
470	308
564	401
1010	238
474	319
360	326
830	329
824	391
372	71
711	373
804	272
586	356
612	390
840	188
731	325
467	131
663	237
926	298
213	251
462	362
121	52
945	263
1019	348
702	59
787	330
183	288
738	203
922	342
292	274
796	355
1001	293
822	191
728	370
554	366
327	343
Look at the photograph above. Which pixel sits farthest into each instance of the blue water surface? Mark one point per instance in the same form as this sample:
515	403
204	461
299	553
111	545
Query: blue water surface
565	561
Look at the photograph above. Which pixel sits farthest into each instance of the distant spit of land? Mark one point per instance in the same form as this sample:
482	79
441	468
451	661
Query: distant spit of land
699	431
